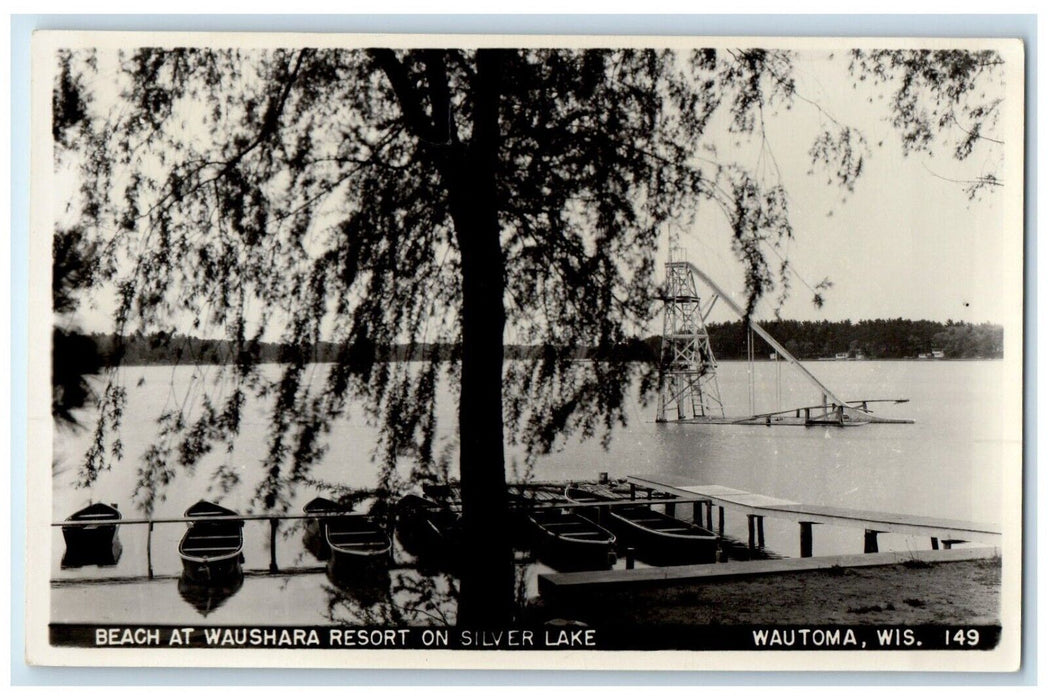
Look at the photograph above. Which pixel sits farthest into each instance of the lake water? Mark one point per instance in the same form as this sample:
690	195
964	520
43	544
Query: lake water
949	463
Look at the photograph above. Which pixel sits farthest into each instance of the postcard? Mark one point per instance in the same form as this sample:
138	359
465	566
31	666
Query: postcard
556	352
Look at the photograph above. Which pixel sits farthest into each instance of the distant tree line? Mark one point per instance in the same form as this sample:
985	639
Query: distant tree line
876	339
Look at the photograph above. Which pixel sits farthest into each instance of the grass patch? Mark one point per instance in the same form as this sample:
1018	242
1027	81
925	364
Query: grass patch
863	609
917	564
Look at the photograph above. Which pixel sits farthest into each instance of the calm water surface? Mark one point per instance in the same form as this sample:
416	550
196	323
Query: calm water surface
949	464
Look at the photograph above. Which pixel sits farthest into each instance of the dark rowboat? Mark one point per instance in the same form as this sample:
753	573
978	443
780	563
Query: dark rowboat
315	537
211	550
357	543
567	540
658	537
429	531
94	543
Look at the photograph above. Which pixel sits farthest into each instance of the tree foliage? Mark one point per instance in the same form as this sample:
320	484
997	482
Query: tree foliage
290	194
949	95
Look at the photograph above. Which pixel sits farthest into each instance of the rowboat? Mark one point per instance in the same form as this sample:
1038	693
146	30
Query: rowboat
568	541
315	537
211	550
659	538
357	542
428	530
94	543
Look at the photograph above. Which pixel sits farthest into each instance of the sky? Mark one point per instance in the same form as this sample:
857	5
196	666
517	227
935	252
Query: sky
908	242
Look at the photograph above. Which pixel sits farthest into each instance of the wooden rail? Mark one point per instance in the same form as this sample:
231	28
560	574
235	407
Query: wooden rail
274	527
758	506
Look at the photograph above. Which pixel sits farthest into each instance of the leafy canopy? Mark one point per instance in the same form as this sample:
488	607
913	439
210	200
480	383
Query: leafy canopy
297	195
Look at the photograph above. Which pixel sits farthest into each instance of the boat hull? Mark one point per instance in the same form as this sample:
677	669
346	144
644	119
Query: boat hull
92	545
216	571
429	532
97	546
694	545
212	550
657	537
315	534
570	542
358	544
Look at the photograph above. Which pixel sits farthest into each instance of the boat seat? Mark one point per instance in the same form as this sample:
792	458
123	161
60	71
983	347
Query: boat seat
195	550
357	542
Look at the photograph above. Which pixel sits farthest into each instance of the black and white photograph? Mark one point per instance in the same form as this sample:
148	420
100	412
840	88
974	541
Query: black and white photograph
551	352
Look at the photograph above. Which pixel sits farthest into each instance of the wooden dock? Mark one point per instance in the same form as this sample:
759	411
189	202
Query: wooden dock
758	506
579	584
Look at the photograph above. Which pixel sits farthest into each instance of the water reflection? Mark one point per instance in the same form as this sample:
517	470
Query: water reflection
208	597
369	584
409	598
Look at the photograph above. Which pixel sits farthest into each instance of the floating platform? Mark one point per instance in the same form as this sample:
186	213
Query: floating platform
790	420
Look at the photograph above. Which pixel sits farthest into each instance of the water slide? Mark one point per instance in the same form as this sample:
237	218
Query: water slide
768	337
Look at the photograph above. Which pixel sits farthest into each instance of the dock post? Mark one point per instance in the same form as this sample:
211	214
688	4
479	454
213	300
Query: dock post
273	525
935	543
806	538
630	554
760	532
749	527
720	520
671	509
696	512
709	515
149	551
633	491
870	542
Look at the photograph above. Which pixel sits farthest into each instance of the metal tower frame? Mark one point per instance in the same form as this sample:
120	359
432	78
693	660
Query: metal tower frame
687	368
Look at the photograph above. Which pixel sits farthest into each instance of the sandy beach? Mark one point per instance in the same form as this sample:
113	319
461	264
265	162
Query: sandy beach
912	593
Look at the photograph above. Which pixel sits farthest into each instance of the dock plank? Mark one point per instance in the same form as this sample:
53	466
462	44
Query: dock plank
584	582
760	504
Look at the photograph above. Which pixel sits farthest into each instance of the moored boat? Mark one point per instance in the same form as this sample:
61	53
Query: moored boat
428	530
658	537
357	542
567	540
96	542
211	550
315	537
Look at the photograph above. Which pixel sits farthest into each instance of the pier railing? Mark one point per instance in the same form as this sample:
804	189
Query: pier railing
274	519
666	491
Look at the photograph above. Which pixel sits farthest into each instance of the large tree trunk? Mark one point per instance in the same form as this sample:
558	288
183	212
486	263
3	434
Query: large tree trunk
469	173
486	597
